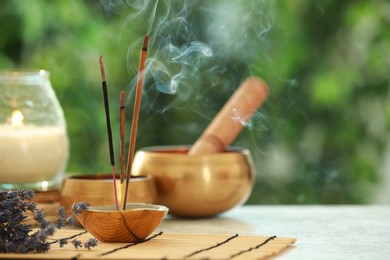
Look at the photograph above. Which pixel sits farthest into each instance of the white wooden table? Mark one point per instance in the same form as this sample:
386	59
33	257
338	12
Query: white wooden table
323	232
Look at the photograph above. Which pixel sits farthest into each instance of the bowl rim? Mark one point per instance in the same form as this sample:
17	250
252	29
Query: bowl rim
104	177
129	207
183	148
167	153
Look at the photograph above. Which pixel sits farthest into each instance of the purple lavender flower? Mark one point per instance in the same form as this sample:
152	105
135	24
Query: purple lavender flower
42	247
61	212
79	207
40	218
16	236
22	249
61	221
32	207
63	241
91	242
50	229
76	243
70	221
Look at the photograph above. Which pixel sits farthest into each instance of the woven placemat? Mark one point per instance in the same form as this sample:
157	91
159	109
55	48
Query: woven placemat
167	246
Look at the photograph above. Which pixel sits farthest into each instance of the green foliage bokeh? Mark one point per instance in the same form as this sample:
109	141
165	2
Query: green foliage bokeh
321	137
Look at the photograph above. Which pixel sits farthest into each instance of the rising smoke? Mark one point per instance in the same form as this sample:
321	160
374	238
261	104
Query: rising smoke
198	50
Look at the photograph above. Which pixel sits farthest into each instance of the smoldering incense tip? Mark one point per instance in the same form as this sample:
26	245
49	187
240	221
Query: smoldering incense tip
102	72
122	99
146	41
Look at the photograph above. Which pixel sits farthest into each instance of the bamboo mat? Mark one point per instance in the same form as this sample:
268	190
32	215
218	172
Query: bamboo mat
166	246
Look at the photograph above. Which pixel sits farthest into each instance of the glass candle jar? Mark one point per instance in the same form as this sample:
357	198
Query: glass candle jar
33	139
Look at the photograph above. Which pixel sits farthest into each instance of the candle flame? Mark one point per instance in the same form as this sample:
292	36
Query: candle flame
17	118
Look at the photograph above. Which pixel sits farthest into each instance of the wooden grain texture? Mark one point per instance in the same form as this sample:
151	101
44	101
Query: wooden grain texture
168	246
129	226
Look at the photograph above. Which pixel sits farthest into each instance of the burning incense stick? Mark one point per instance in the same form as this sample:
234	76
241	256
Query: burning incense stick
122	132
137	105
109	132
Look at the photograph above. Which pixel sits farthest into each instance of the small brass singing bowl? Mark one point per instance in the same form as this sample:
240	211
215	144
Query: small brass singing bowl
132	225
197	185
98	190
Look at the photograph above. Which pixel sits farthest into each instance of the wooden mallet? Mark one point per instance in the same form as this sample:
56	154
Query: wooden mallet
230	120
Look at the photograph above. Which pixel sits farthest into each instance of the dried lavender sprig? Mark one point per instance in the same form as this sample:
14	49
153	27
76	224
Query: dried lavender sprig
17	237
91	242
63	241
76	243
79	207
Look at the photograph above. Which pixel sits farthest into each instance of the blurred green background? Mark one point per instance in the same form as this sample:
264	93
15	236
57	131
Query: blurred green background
322	135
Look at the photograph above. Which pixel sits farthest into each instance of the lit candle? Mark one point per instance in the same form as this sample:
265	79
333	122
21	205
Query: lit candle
30	153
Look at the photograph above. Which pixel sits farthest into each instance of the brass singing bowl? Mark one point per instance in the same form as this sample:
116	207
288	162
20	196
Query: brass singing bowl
132	225
197	185
98	190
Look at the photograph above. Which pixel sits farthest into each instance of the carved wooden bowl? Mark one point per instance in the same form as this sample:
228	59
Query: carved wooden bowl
132	225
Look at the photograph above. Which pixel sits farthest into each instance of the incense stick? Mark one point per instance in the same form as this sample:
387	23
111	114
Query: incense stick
122	132
109	132
137	105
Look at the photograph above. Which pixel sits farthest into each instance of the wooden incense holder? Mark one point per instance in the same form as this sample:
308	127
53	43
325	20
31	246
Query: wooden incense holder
232	117
122	226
